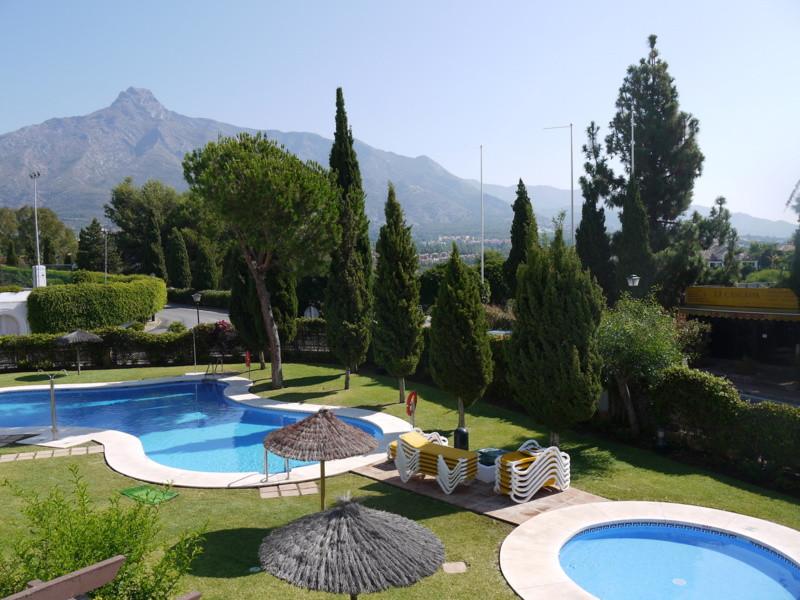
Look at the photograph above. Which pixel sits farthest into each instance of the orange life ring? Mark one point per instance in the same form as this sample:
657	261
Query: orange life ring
411	403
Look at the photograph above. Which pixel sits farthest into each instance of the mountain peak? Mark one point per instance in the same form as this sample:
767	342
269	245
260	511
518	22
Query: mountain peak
141	99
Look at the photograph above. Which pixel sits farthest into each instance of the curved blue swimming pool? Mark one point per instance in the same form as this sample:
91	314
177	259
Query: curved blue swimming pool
188	425
662	561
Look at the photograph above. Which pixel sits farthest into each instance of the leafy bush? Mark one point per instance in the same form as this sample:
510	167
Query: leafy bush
498	317
65	533
10	288
91	305
176	327
705	407
211	298
768	438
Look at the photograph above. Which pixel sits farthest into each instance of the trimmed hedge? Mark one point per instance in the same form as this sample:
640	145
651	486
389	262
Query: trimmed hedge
760	441
211	298
91	305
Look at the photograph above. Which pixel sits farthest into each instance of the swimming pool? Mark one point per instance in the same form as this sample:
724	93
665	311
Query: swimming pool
658	560
188	425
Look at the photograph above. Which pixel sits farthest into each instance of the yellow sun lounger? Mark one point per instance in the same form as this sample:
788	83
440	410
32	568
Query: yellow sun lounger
415	453
521	474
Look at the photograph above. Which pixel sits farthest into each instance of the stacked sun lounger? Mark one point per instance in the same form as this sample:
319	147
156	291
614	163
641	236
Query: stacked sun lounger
416	454
522	473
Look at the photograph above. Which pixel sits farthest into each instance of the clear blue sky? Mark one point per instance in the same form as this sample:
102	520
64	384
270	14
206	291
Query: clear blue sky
429	77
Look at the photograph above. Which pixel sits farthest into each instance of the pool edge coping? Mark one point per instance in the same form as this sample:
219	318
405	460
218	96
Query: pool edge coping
124	452
529	555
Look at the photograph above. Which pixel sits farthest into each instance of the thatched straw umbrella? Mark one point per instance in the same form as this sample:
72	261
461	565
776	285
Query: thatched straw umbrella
320	437
351	549
76	338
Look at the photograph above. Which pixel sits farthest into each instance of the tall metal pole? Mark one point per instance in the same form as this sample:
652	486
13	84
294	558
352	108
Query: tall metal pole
571	188
633	146
105	256
482	220
35	176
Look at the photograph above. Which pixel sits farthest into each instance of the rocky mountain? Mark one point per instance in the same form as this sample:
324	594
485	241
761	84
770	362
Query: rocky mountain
82	158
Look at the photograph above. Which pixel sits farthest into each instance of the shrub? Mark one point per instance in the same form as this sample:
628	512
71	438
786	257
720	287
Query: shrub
210	298
498	317
65	533
176	327
91	305
706	408
768	437
10	288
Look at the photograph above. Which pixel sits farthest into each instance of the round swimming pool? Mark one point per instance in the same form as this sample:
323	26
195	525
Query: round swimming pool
187	425
658	560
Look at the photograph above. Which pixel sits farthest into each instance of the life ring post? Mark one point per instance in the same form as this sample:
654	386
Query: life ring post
411	406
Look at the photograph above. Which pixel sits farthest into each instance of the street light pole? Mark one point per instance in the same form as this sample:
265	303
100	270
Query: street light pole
105	255
196	297
482	220
571	181
35	176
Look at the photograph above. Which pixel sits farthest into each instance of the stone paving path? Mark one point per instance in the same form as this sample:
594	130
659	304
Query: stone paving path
286	490
479	497
52	453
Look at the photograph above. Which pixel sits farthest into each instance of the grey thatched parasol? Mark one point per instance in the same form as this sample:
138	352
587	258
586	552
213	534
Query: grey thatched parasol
76	338
321	436
351	549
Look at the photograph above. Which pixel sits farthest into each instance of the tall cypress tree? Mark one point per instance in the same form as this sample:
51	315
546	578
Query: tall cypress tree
91	247
178	269
667	157
554	367
794	274
344	162
522	227
12	260
460	354
205	274
592	241
632	245
153	259
348	304
397	337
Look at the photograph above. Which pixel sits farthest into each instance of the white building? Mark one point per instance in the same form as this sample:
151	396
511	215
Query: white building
14	313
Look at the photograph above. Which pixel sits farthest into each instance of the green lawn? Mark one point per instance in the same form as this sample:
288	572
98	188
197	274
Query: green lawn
237	519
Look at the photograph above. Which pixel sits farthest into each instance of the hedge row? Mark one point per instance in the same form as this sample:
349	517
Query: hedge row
211	298
67	307
708	416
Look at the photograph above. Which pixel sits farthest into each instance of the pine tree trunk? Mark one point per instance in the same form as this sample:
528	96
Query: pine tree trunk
625	393
261	360
555	438
347	378
462	422
269	324
401	384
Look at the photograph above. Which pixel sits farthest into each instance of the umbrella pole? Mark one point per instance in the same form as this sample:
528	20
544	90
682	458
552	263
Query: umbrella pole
322	485
78	350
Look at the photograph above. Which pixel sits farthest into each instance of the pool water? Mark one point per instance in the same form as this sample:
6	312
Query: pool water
188	425
661	561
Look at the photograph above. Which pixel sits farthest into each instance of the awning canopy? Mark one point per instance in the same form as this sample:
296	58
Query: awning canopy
753	314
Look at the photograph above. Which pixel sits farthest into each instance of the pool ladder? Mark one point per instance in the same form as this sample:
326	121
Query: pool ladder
286	467
214	369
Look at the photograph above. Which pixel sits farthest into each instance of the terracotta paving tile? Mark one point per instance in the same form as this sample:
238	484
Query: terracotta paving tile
61	452
77	451
26	456
453	568
95	450
44	454
288	493
8	457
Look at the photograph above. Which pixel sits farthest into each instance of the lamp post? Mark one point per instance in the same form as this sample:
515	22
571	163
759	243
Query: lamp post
633	281
571	182
39	272
196	297
482	222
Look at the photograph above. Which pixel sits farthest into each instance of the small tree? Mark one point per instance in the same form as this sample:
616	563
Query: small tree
153	260
397	337
178	269
494	271
632	245
460	354
554	367
205	273
91	247
12	260
274	205
523	228
638	340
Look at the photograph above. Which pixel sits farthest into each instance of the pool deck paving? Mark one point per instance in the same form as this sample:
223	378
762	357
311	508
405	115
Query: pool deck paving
479	497
39	454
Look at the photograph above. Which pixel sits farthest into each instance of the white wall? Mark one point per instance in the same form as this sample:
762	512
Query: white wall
14	313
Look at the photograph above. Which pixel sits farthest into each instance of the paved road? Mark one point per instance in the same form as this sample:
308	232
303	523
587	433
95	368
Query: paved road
187	314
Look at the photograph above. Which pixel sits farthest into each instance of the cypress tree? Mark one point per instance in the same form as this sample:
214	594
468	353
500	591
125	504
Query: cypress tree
460	354
592	241
205	274
348	304
344	162
12	260
397	337
522	227
632	245
554	366
153	259
178	269
794	273
48	252
91	247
